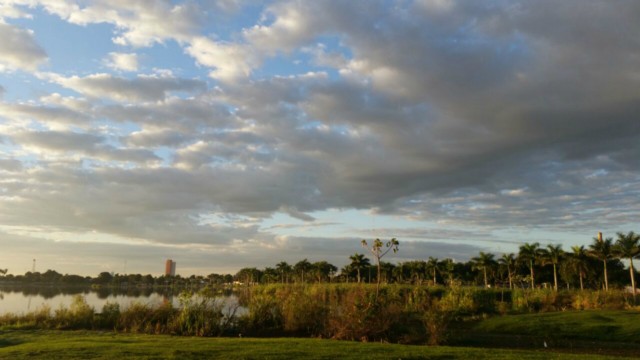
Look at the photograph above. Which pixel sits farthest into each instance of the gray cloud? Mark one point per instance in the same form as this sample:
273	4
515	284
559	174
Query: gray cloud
10	165
141	88
18	49
88	144
504	115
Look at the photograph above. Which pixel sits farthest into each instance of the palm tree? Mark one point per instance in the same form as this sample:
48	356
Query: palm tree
508	261
552	255
358	262
284	269
447	267
432	267
602	250
484	261
302	267
579	262
529	254
322	270
628	246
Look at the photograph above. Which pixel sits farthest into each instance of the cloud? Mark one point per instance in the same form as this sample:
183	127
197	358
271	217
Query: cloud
122	61
93	146
10	165
49	114
138	23
19	49
453	114
229	61
141	88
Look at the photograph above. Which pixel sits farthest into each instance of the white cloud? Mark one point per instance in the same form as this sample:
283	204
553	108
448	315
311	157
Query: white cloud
229	61
8	9
122	61
138	22
19	49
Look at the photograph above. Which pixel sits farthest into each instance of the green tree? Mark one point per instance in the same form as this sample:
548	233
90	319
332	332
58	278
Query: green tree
432	268
447	267
302	267
284	269
579	262
323	270
602	250
104	278
552	255
248	275
508	261
379	250
270	275
529	255
358	263
417	270
628	246
484	261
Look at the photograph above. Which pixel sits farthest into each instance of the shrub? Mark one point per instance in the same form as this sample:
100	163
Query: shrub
304	309
459	301
264	315
109	315
78	316
141	318
436	321
198	316
360	315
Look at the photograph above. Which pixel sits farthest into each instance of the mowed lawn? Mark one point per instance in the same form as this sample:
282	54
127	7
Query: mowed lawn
37	344
596	325
593	332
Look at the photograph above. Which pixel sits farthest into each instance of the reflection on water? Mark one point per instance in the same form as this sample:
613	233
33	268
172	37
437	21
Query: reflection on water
19	300
51	291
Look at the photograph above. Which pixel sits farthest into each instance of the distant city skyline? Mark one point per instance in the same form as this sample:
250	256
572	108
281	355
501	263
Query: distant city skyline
231	133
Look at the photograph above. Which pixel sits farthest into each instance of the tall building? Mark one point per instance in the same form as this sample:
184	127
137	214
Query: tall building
170	268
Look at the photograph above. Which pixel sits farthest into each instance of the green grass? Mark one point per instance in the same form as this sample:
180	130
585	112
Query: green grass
590	332
597	325
23	344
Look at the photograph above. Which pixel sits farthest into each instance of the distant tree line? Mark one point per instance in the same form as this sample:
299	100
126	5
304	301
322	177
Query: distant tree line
105	278
599	265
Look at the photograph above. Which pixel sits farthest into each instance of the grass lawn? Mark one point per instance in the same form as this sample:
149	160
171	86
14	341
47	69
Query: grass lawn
598	325
36	344
595	331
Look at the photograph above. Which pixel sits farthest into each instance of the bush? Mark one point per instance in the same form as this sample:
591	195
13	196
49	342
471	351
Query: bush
264	315
109	315
436	321
198	316
141	318
304	309
360	315
78	316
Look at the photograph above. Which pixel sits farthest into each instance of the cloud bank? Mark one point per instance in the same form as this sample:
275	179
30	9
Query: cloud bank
465	114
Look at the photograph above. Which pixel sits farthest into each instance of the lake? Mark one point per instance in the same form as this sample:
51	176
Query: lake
24	300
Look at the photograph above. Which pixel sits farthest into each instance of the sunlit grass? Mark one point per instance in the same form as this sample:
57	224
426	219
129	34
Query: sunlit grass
101	345
598	325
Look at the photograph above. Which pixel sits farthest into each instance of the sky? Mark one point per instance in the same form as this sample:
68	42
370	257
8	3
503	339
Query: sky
231	133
